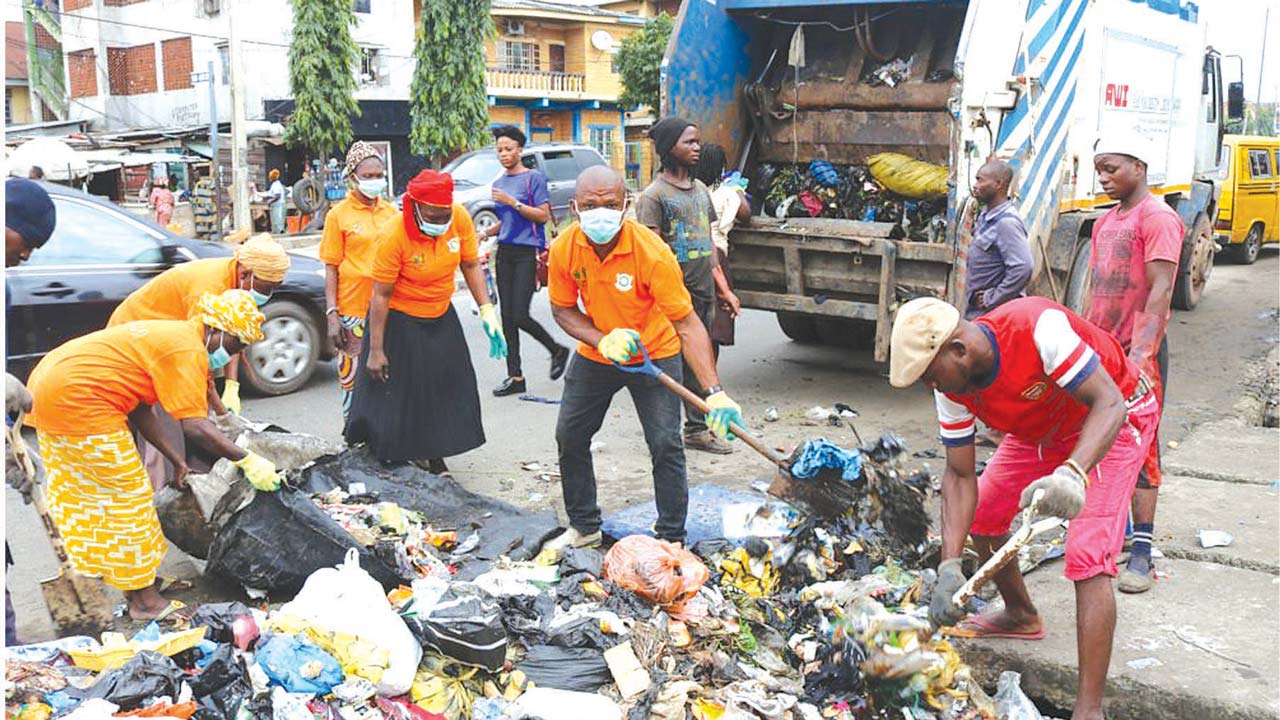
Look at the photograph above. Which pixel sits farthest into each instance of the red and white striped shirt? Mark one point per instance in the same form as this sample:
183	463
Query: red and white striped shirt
1043	353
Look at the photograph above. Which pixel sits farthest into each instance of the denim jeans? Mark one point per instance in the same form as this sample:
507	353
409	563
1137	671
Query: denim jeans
589	388
694	420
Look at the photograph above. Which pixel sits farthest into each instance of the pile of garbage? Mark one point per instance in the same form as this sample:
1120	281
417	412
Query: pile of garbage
890	188
828	620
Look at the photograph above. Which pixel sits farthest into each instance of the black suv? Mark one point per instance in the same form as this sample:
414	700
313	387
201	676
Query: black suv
99	253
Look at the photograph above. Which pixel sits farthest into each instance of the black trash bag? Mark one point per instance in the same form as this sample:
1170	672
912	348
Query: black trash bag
182	522
146	675
522	616
580	560
222	686
219	617
581	633
577	669
465	625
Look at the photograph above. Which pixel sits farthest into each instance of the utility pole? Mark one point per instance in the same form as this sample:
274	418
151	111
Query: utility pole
213	146
1262	66
239	144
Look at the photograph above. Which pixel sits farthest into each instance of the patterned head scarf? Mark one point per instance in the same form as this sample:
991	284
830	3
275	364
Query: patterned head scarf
359	152
234	312
264	257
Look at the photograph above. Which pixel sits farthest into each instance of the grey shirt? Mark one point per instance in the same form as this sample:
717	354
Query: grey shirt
999	260
683	218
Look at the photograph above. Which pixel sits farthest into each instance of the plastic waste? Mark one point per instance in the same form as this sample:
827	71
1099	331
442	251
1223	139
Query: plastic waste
656	570
146	675
93	709
1214	538
578	669
289	706
115	651
908	177
49	652
220	619
443	688
347	600
164	709
541	703
299	666
820	453
1011	702
751	572
465	624
222	686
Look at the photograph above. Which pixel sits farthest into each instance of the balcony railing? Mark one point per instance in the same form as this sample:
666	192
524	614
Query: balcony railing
535	81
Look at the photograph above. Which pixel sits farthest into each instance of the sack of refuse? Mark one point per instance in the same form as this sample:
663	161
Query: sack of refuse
908	177
656	570
464	624
347	600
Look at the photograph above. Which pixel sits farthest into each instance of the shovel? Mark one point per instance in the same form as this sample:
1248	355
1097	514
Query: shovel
1008	551
78	604
648	368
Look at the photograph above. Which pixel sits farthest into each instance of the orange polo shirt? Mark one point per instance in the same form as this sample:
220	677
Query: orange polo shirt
88	385
173	294
422	271
639	285
351	230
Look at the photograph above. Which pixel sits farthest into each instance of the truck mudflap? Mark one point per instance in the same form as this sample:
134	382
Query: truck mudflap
836	268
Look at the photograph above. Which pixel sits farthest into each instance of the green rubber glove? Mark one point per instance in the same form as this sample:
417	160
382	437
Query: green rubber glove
619	345
723	412
231	396
493	328
260	471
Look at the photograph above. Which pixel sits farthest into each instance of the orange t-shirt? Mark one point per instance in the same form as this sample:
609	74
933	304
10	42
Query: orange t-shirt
639	285
351	230
88	385
173	294
423	270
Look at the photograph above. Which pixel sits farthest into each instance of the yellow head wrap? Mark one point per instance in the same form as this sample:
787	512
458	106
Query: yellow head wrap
234	312
264	257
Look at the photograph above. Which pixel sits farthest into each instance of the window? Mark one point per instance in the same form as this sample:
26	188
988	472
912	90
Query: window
8	106
224	64
518	56
1259	164
1224	168
1210	88
601	138
371	70
89	234
560	166
555	58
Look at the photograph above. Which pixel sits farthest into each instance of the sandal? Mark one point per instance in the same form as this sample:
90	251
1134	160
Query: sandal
976	627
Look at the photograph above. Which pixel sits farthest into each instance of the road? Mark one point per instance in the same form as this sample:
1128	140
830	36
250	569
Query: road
1212	349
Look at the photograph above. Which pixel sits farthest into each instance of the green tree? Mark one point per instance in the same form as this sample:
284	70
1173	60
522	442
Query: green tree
321	56
448	101
639	62
1262	119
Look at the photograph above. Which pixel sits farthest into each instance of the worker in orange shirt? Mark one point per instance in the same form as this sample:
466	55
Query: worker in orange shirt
258	266
86	390
632	293
417	399
346	249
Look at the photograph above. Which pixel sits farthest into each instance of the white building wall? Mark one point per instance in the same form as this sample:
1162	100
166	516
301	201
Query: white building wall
265	28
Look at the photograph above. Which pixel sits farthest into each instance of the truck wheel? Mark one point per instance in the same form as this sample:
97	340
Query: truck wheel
800	328
1196	266
1081	276
842	333
1246	253
283	361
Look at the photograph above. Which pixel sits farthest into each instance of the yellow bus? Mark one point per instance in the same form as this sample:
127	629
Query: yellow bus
1249	209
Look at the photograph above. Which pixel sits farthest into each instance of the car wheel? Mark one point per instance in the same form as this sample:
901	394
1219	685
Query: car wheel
283	361
1193	276
1246	253
484	220
798	327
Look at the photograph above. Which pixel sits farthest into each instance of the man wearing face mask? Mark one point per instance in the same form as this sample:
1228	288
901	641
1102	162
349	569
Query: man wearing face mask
632	293
417	399
86	393
346	249
258	266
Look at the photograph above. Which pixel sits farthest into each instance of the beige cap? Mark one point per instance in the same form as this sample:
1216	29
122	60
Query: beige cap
919	330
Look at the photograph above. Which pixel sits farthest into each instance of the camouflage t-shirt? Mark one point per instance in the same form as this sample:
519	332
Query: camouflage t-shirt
683	217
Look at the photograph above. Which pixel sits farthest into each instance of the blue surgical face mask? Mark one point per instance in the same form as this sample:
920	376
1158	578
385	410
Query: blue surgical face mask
258	298
434	229
601	224
371	187
219	358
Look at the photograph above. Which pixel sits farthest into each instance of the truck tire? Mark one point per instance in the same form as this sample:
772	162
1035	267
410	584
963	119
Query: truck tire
798	327
1246	253
283	361
1081	278
844	333
1196	265
307	195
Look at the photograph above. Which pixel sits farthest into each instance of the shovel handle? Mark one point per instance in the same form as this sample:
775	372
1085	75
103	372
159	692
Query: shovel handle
19	447
754	442
1006	552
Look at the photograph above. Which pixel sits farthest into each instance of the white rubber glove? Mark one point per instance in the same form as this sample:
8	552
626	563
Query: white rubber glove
1063	493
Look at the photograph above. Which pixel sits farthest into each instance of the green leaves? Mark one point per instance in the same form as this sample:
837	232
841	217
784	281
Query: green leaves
447	98
321	56
639	59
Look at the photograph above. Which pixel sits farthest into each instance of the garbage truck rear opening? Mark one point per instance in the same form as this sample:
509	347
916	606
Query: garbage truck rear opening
784	83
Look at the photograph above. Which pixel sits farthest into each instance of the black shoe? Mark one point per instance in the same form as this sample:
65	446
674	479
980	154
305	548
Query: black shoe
559	360
510	386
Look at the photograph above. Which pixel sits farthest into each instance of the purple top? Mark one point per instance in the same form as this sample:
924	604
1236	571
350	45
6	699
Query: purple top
999	260
529	188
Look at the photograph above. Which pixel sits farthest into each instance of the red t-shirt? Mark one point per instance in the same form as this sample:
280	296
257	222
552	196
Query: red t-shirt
1124	241
1043	353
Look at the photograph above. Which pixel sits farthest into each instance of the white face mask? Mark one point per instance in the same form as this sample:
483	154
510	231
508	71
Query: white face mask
601	225
371	187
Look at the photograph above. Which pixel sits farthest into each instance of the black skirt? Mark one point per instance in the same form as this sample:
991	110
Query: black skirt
429	407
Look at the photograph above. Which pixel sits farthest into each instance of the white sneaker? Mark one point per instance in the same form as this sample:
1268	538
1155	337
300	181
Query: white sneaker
573	538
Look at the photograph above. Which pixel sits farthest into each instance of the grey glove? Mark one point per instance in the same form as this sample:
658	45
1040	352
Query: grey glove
943	612
231	425
17	477
1063	493
16	397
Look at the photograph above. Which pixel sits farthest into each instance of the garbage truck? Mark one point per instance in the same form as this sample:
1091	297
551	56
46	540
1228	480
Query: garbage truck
783	83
